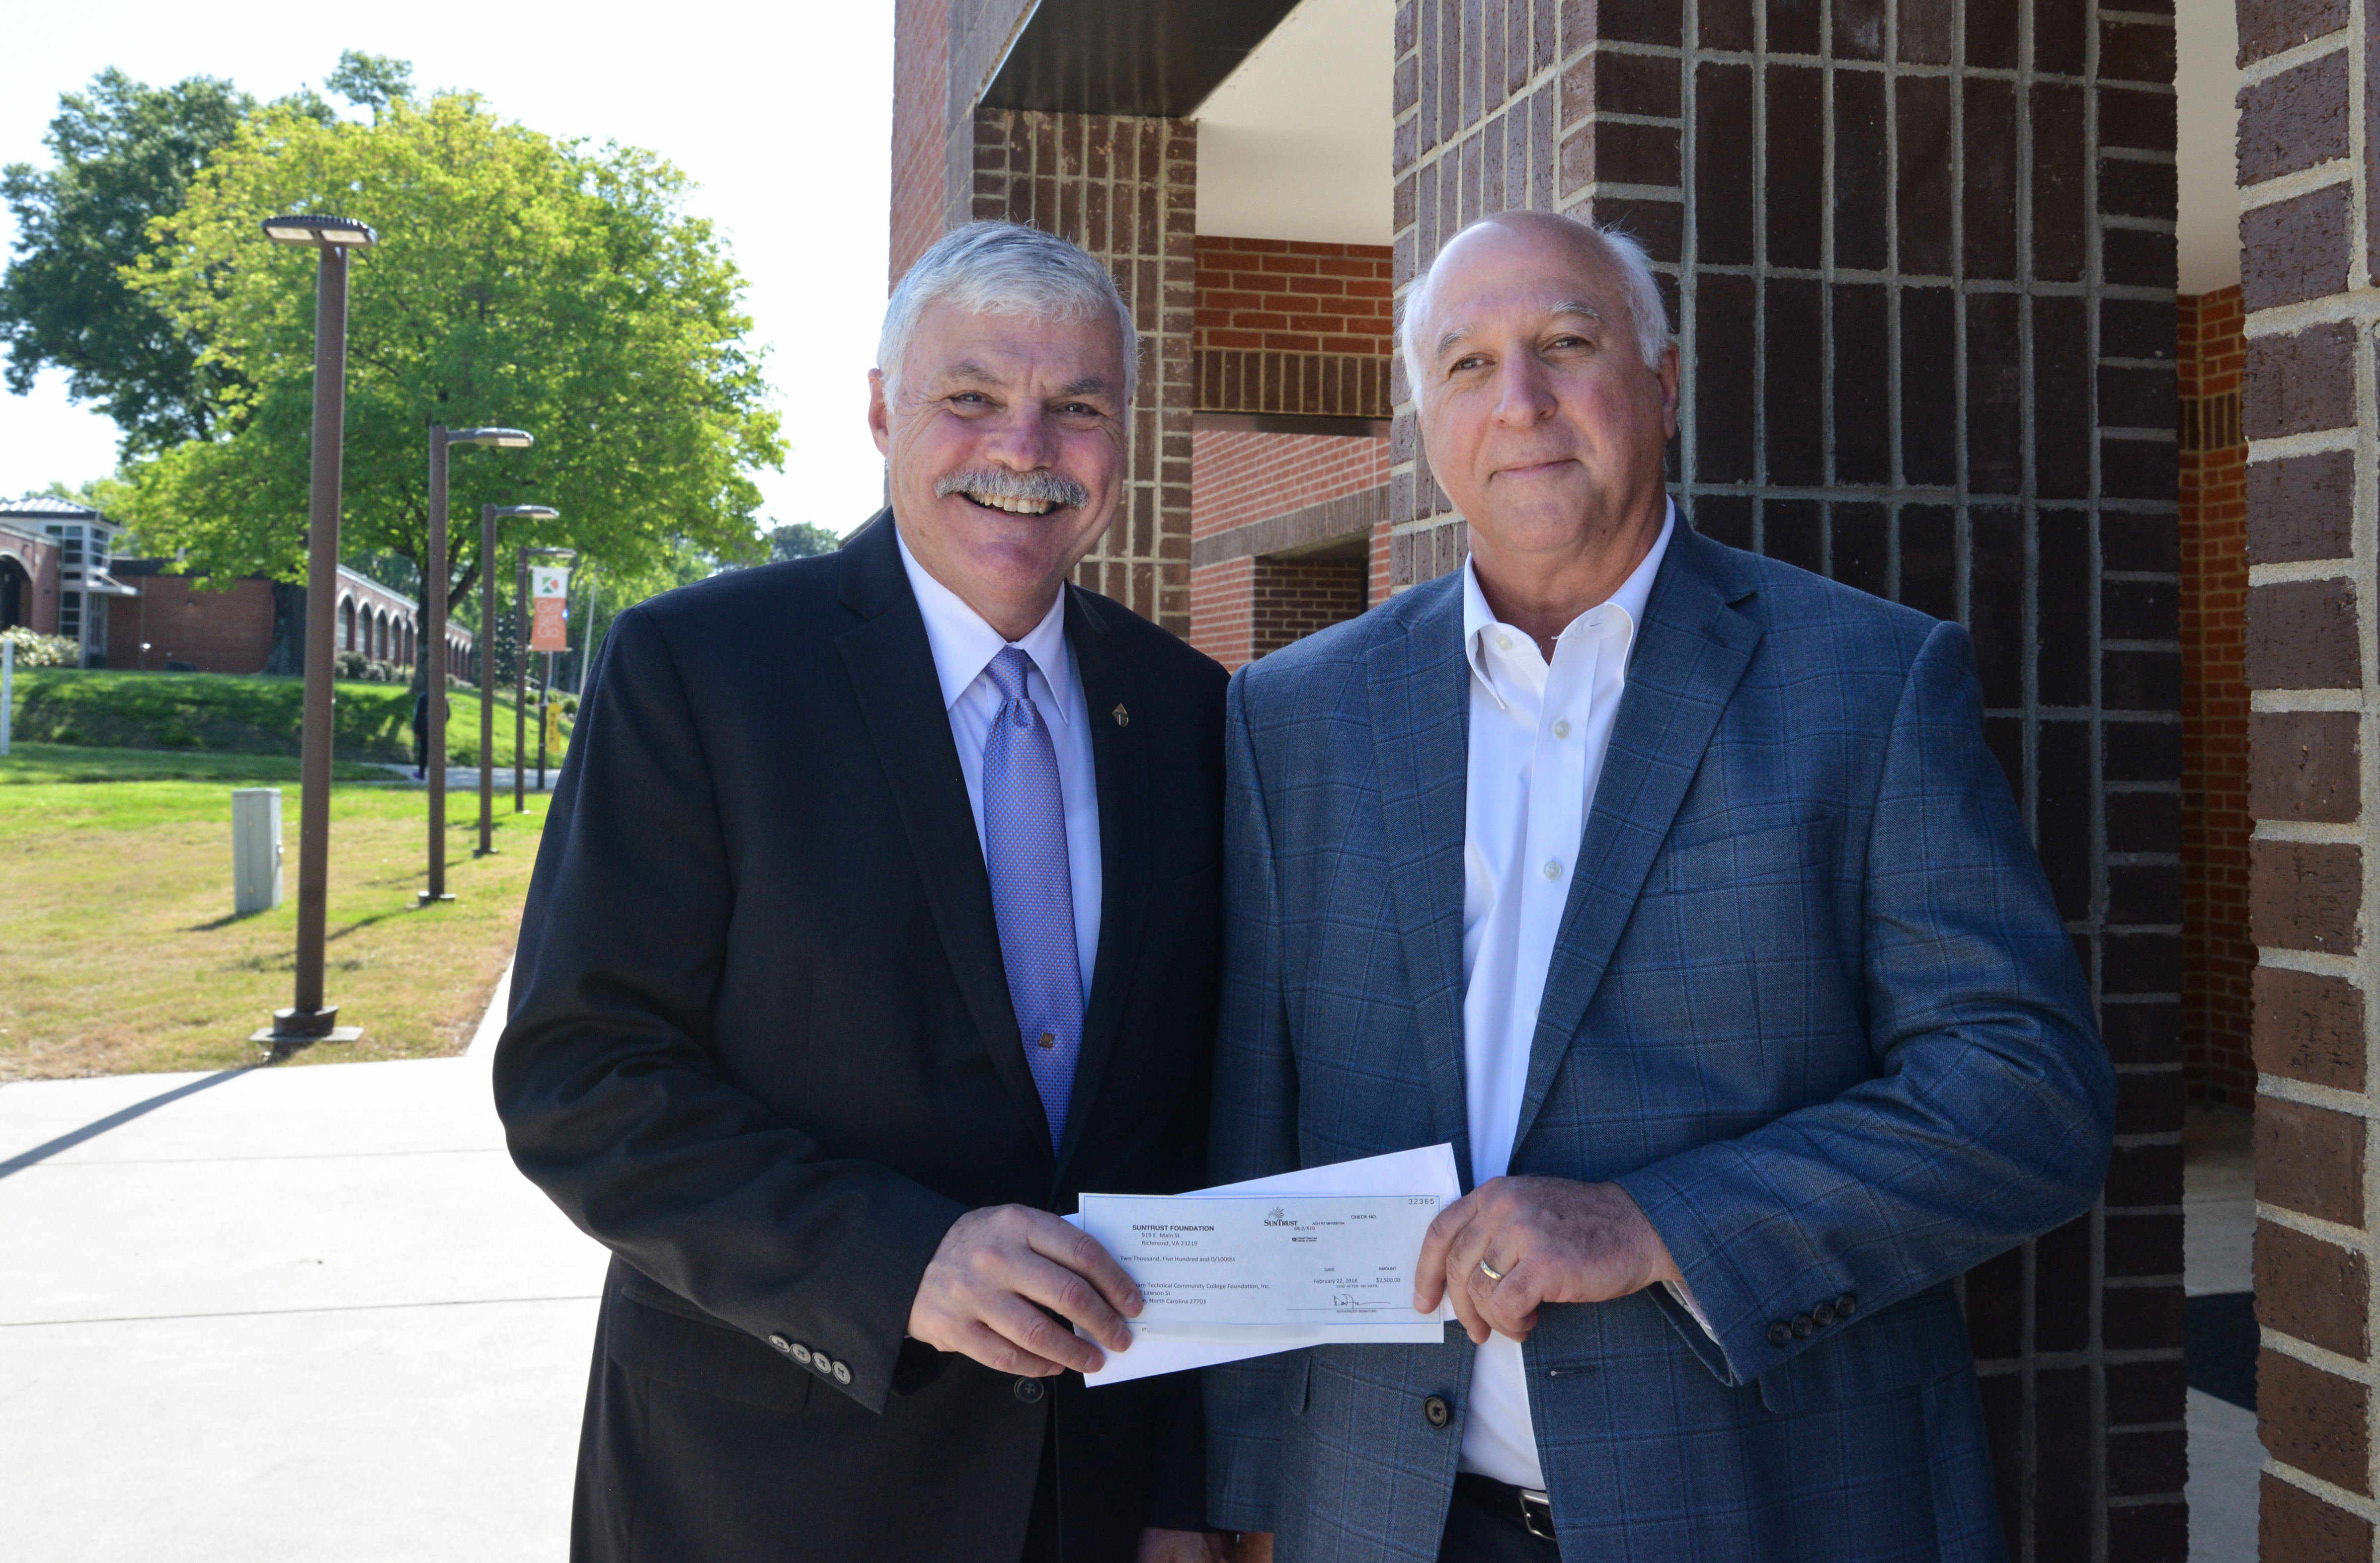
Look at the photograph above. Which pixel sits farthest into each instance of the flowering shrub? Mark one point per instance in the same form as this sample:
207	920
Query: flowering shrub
42	650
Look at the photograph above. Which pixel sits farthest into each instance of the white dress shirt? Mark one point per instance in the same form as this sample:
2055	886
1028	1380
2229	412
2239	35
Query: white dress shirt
1539	733
964	646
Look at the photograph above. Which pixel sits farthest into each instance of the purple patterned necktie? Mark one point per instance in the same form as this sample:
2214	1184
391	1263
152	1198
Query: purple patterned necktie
1032	888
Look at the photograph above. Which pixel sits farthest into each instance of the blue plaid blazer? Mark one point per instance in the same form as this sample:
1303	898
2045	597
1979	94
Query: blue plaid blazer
1810	1004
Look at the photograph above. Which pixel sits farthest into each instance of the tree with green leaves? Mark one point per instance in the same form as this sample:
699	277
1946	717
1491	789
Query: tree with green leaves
801	540
518	280
126	154
371	81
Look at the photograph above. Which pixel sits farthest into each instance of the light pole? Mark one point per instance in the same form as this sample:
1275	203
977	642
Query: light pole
489	515
520	672
309	1019
434	667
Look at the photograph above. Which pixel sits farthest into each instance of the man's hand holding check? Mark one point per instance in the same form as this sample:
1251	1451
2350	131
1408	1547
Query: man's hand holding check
1512	1244
984	1292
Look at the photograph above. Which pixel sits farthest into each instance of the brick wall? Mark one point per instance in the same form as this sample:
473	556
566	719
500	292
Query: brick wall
1292	295
1922	263
922	58
1282	327
1244	475
229	632
1222	611
2306	277
1295	597
1247	481
1287	326
1124	190
2217	957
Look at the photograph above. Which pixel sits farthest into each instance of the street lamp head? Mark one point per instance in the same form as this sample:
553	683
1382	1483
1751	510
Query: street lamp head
501	438
344	232
528	512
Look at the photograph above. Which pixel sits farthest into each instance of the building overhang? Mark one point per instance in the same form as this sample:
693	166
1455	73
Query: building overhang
1153	58
1292	144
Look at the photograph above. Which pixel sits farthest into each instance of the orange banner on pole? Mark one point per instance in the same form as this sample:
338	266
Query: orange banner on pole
548	625
549	593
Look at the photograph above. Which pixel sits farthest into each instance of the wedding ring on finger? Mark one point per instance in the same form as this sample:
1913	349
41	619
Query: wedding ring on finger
1491	1271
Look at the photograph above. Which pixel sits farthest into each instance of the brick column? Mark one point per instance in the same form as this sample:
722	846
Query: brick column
1126	190
2306	272
1921	258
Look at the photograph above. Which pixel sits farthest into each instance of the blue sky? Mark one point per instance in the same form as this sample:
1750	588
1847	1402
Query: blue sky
781	113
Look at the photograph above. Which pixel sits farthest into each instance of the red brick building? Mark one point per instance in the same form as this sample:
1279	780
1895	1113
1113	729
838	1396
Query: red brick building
29	578
175	622
55	572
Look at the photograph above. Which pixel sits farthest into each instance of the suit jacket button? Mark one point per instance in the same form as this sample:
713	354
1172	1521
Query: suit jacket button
801	1353
781	1343
1435	1411
1845	1304
1781	1334
1825	1314
1805	1326
823	1363
842	1374
1029	1390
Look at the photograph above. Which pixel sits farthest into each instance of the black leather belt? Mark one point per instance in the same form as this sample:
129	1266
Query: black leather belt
1524	1506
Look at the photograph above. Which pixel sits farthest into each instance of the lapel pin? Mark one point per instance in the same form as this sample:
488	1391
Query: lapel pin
1124	717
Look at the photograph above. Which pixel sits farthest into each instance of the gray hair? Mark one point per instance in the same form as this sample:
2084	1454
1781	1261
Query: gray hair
1005	269
1649	315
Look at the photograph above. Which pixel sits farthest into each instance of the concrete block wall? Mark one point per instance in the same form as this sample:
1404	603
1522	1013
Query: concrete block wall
2307	261
1921	258
2218	956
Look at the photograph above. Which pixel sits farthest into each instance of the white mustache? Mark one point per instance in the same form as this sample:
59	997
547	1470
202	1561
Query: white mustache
1030	488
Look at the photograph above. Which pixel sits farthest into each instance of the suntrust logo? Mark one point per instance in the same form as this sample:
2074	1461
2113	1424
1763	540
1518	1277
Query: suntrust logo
1274	1218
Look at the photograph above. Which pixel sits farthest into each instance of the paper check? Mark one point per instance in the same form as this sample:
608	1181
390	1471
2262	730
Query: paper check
1425	1169
1223	1267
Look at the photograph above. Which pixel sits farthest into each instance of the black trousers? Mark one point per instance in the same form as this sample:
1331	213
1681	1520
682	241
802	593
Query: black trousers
1477	1534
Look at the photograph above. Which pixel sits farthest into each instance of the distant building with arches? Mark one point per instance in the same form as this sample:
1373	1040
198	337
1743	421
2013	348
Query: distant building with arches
59	576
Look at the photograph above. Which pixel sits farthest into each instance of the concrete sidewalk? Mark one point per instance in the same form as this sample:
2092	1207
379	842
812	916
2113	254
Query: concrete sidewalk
283	1313
463	783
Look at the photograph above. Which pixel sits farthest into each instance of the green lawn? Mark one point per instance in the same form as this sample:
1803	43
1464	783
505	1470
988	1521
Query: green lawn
122	954
226	714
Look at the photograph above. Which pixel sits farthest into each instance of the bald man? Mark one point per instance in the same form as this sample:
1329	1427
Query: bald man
1677	889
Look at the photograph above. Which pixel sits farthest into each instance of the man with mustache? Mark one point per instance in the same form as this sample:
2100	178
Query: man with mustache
877	918
1677	889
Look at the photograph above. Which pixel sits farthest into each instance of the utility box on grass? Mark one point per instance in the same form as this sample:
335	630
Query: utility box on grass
255	848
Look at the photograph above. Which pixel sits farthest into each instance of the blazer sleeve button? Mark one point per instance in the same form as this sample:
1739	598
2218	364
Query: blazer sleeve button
1805	1326
1781	1334
1435	1411
1845	1305
1028	1390
782	1344
801	1353
841	1372
1825	1314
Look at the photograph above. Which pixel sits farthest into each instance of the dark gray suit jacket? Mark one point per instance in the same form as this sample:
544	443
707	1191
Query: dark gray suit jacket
761	1047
